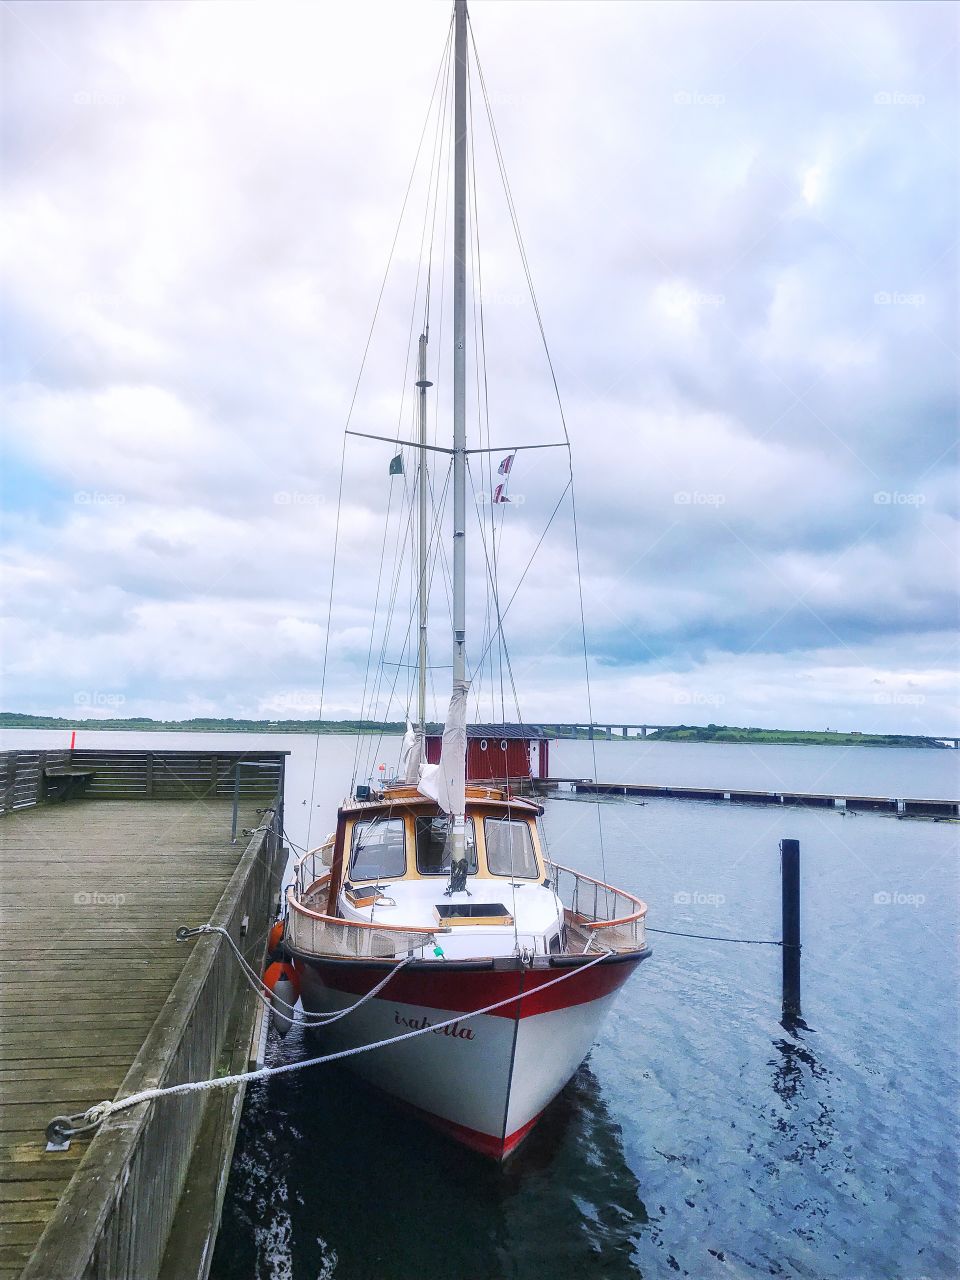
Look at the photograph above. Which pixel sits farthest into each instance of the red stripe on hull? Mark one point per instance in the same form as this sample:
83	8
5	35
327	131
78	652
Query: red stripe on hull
485	1144
435	987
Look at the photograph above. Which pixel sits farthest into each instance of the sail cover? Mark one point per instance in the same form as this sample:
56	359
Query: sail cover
446	782
412	753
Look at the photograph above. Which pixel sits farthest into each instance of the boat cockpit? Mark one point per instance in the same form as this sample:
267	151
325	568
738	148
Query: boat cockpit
394	856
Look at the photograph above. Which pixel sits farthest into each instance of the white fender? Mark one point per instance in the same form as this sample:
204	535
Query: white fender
284	993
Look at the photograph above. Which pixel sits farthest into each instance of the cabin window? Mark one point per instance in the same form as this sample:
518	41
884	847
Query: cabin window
433	846
378	849
510	848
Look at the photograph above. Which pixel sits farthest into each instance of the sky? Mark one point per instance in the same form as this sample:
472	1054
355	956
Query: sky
741	224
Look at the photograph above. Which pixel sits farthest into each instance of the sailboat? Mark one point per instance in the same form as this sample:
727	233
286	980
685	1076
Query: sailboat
432	930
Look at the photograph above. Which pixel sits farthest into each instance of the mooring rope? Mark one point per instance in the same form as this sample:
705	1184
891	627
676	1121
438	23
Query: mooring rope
62	1127
716	937
268	998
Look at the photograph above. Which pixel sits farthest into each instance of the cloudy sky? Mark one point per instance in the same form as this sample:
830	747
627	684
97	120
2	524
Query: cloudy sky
741	223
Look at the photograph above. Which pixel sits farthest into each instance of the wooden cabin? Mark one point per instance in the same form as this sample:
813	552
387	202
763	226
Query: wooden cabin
500	752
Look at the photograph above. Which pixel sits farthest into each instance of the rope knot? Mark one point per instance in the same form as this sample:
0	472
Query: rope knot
98	1112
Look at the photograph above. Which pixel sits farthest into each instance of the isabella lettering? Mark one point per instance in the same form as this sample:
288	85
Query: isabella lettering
419	1024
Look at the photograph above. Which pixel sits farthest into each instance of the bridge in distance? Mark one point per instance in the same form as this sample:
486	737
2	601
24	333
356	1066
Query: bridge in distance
618	730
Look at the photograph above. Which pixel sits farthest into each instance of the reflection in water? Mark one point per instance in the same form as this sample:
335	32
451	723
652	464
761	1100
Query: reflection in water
331	1178
760	1150
804	1121
803	1131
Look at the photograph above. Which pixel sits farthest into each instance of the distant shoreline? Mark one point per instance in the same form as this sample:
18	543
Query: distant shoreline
682	733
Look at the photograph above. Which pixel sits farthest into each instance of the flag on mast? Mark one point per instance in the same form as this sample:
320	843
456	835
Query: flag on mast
396	465
500	493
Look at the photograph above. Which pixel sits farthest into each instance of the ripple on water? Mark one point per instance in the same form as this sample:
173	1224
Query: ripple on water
702	1138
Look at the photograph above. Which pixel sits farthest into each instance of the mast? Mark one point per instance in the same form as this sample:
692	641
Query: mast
455	728
422	385
459	341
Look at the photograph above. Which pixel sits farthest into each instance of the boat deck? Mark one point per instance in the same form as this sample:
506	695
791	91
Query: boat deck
91	894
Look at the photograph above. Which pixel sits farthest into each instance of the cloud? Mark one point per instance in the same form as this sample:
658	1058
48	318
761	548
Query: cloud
741	225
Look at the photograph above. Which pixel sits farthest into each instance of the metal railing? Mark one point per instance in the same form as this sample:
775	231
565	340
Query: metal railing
312	931
310	867
603	915
614	917
316	934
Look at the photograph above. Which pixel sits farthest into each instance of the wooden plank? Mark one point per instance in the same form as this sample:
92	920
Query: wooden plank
85	981
22	1210
149	850
38	1189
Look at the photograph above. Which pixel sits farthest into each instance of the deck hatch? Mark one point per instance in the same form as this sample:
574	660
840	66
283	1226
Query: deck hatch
489	913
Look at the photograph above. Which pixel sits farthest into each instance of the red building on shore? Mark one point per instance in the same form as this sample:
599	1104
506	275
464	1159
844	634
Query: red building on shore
500	752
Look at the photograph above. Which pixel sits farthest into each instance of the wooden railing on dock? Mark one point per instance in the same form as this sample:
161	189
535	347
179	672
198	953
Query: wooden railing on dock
162	775
140	775
22	776
122	1214
114	1219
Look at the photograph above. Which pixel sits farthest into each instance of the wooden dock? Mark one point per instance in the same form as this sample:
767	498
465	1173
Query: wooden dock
99	1000
903	807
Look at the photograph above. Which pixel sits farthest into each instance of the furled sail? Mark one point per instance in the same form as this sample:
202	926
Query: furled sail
446	782
412	754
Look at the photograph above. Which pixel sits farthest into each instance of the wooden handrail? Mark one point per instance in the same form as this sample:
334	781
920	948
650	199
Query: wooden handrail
609	924
606	924
581	875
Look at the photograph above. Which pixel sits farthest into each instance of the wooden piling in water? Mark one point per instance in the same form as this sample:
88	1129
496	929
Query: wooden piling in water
790	932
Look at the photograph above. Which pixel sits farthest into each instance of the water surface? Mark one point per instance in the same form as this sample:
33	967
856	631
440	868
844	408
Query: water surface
701	1138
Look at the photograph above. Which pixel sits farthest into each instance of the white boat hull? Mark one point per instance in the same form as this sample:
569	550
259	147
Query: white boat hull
486	1080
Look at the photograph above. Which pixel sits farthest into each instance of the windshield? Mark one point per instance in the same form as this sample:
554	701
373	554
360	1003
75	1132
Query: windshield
378	849
510	848
433	846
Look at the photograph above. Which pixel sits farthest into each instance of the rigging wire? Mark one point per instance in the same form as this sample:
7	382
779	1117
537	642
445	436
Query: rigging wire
439	134
444	60
438	525
533	556
556	387
438	155
480	347
496	636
